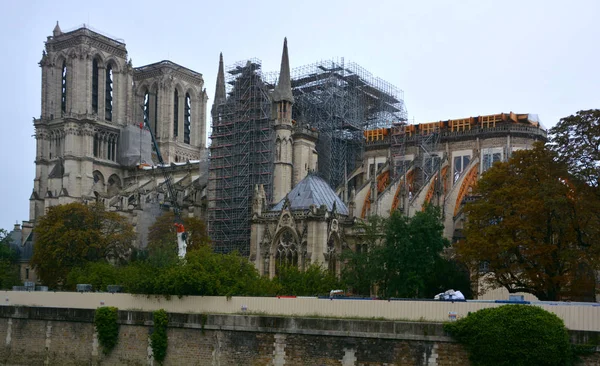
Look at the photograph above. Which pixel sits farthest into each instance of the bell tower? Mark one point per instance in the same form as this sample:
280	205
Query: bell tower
86	94
281	112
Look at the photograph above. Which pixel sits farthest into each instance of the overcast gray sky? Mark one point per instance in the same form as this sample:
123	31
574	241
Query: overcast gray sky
452	58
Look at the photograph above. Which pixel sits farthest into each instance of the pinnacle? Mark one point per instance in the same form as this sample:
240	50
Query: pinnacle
220	86
283	90
56	31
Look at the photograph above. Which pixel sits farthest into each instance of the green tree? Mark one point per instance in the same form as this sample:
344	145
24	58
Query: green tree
515	335
98	274
362	268
412	247
70	236
576	140
312	281
9	267
534	225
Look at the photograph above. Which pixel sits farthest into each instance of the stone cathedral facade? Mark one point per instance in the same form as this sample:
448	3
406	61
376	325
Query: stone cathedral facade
90	145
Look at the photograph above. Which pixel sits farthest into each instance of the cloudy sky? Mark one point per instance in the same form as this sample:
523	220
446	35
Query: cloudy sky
452	58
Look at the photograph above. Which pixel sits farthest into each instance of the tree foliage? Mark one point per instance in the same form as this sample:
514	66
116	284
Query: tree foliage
399	256
70	236
576	140
361	268
312	281
515	335
9	267
534	225
412	247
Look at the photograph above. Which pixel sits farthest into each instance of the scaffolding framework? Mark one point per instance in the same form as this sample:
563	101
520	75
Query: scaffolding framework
241	156
342	100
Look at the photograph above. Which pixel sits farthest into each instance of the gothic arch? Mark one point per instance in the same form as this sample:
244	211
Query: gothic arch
59	58
285	250
98	56
114	185
99	184
179	89
115	64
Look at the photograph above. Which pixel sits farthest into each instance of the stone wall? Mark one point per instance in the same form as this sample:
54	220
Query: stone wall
60	336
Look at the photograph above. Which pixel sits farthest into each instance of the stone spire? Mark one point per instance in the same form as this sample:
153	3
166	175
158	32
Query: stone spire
220	87
57	32
283	90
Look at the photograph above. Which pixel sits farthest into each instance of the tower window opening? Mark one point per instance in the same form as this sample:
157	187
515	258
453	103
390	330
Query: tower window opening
175	113
146	108
95	86
63	94
108	106
96	146
156	114
187	123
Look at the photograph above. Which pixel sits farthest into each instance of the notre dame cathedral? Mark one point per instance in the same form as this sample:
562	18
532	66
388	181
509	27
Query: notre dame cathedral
269	191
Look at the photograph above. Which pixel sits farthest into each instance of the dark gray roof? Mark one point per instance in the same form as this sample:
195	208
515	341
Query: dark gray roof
312	190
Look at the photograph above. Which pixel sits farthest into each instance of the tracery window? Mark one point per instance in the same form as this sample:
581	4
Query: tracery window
287	251
95	86
175	113
187	123
63	94
108	100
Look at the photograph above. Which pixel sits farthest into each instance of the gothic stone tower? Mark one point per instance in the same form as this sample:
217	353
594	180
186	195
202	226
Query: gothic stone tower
172	99
282	114
90	95
86	98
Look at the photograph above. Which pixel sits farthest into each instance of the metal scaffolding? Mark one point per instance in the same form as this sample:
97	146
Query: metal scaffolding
241	156
342	100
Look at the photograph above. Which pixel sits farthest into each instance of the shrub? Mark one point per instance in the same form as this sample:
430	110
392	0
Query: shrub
158	339
107	327
513	335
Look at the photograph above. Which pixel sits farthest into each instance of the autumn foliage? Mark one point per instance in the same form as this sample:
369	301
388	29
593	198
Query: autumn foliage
73	235
536	226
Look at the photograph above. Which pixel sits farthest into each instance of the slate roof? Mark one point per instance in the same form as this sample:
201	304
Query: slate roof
312	190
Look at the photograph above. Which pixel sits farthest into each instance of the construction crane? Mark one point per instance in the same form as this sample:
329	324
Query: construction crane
178	222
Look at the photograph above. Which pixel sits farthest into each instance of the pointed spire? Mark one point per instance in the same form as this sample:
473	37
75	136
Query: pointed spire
56	32
283	90
220	87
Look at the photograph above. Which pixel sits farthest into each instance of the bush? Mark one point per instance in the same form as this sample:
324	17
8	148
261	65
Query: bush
158	339
107	327
513	335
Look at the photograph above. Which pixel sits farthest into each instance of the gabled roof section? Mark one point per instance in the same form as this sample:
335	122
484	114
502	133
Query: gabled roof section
312	190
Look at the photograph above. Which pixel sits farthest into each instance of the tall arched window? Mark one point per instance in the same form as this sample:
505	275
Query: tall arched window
95	86
156	114
146	108
175	113
187	122
108	101
63	94
287	251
